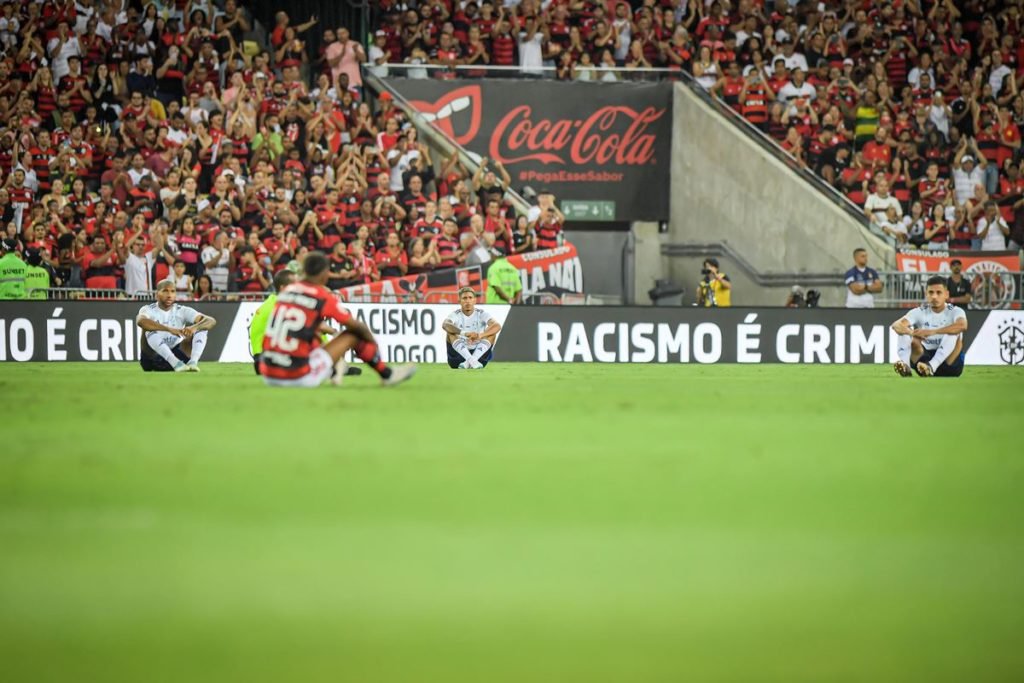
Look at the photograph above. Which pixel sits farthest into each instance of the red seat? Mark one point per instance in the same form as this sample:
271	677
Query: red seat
101	282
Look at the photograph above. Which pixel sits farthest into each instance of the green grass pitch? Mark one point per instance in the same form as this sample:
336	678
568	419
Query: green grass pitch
525	523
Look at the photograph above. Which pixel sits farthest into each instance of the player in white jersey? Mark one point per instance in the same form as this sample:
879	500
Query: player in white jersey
173	336
471	332
931	336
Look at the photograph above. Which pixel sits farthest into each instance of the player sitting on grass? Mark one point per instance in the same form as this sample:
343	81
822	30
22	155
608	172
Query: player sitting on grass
258	326
931	335
471	334
293	354
174	336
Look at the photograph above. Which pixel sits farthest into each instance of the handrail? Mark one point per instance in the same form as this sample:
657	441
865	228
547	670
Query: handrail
770	145
679	75
761	279
989	290
447	145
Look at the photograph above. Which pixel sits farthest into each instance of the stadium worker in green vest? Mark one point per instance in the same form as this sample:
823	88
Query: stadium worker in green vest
37	277
503	283
12	271
258	326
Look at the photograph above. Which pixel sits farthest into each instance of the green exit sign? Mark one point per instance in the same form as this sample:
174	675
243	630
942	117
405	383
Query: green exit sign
580	210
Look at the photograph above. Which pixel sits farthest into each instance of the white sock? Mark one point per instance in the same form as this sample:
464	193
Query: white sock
482	347
462	349
198	345
165	352
946	347
903	348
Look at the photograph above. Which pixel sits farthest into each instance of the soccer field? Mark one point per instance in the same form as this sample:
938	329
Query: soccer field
525	523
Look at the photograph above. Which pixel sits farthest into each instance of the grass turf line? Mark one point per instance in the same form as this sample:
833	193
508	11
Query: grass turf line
526	523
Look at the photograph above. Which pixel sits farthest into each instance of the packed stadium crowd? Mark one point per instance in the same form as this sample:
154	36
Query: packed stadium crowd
911	109
141	141
138	143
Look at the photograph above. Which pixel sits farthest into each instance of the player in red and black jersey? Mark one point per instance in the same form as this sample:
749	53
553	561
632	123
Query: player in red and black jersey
293	354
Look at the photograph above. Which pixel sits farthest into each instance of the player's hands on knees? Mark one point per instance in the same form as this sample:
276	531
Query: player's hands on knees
922	333
472	336
187	332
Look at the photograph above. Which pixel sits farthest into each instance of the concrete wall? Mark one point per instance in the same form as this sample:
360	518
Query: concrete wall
601	253
725	188
685	270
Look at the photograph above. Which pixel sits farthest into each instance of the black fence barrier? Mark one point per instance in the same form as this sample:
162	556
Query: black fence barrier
106	331
611	334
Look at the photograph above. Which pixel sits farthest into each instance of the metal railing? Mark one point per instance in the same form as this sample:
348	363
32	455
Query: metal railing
989	290
94	294
624	74
77	294
439	140
607	74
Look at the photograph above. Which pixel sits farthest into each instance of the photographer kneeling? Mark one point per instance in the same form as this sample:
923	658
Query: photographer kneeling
714	290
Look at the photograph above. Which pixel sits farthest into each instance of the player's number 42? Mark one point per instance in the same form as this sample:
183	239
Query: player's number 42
284	323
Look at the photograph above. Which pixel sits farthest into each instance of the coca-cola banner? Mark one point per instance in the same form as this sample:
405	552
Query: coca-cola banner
549	271
583	141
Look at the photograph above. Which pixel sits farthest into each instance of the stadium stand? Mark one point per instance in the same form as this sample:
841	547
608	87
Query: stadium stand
864	94
171	125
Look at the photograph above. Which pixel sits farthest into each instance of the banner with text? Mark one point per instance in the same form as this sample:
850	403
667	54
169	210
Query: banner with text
106	331
553	271
993	275
597	142
612	334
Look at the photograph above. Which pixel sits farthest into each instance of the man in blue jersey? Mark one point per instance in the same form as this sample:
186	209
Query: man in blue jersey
931	335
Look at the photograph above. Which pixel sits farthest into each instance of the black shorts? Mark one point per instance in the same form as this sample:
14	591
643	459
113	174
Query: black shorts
455	359
156	363
946	369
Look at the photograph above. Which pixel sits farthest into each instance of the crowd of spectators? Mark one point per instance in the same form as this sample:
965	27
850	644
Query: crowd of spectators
916	99
178	138
138	143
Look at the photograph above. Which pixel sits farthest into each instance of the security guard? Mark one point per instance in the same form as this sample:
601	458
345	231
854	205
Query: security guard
37	276
12	271
503	283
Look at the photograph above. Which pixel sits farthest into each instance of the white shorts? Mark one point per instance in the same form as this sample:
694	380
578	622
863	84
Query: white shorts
320	368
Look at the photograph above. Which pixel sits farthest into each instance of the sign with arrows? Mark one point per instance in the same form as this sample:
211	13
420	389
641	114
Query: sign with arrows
579	210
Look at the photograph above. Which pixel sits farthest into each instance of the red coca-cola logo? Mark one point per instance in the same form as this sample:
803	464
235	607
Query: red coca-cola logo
611	135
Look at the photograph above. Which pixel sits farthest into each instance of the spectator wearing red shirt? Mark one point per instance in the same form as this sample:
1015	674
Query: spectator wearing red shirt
99	264
549	225
430	225
366	269
447	245
877	153
497	225
932	189
392	260
75	85
281	245
250	275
